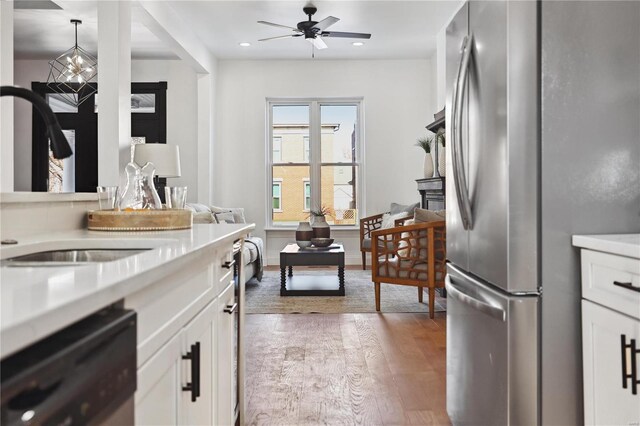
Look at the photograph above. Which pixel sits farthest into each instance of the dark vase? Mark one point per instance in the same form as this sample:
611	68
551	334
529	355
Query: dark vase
304	233
320	227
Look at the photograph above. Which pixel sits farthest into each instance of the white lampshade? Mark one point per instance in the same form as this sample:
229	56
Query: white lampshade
165	157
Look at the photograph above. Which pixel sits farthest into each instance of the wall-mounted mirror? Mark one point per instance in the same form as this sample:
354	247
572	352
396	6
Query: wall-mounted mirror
42	31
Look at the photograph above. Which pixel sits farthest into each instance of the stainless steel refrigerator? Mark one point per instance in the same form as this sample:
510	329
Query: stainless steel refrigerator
543	132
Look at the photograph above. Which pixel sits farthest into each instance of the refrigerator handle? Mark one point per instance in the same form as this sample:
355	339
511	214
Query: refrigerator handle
459	174
479	305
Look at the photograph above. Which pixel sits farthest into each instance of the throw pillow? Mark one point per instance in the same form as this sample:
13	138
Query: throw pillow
424	215
406	209
403	245
238	213
203	217
195	207
225	217
389	220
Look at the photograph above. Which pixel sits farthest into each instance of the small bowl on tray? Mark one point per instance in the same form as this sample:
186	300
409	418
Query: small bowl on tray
321	242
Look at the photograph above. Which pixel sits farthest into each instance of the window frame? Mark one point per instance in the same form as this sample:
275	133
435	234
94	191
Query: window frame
315	163
273	140
305	183
278	182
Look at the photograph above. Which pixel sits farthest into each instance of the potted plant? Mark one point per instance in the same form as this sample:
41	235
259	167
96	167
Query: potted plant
425	143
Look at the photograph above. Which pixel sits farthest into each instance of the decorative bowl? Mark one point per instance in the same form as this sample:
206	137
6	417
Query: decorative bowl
303	244
322	242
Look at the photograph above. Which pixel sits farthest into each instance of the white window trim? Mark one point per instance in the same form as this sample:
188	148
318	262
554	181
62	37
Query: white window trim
306	181
273	140
306	140
315	112
279	182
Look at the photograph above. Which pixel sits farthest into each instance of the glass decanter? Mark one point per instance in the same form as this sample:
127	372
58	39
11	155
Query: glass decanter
140	193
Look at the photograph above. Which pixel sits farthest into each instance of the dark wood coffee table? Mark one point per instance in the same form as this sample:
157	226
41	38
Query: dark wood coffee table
311	285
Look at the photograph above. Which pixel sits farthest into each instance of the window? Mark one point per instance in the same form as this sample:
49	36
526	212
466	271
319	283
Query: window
307	195
318	142
306	148
277	149
277	196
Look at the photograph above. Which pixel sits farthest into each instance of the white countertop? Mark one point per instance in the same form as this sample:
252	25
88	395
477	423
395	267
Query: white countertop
620	244
37	301
46	197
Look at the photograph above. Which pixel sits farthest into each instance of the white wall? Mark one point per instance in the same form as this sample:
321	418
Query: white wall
181	115
398	103
25	72
441	70
6	103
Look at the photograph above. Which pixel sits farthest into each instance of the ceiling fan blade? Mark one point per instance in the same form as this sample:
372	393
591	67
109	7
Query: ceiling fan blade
277	25
318	43
325	23
345	35
277	37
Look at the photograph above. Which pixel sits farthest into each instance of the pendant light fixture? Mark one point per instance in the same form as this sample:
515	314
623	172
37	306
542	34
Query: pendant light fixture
73	73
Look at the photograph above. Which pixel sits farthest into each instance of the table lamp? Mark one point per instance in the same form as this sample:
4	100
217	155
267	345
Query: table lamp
165	157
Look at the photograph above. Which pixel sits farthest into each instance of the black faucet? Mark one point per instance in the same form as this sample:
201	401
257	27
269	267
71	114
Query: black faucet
59	144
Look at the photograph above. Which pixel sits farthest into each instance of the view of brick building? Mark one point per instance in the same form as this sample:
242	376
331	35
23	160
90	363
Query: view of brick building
291	176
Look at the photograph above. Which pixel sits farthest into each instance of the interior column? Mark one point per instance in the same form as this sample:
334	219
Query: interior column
114	90
6	103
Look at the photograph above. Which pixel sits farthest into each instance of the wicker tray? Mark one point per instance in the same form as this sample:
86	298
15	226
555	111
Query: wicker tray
139	220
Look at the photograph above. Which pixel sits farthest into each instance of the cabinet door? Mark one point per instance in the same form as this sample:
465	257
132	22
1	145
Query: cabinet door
157	396
197	371
226	356
606	401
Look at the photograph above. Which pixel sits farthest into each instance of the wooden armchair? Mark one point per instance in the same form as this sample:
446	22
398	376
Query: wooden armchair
367	226
410	255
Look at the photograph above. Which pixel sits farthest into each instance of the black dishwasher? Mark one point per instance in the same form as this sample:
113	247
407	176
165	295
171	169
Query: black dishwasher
83	374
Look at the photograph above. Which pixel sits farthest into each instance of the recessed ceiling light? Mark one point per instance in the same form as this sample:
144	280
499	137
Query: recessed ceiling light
245	44
358	43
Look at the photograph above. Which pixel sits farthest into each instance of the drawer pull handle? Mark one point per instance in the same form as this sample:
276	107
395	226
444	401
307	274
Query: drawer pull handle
231	308
194	386
629	354
628	286
229	264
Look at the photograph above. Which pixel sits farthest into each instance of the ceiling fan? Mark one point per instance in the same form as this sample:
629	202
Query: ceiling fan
314	31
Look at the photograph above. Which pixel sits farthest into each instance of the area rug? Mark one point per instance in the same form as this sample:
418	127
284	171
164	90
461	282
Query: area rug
264	297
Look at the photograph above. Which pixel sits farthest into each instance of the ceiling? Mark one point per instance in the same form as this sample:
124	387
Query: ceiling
45	33
400	29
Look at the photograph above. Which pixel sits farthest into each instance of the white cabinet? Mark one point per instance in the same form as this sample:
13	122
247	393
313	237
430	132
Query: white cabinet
608	359
199	358
158	393
226	358
176	385
610	267
188	346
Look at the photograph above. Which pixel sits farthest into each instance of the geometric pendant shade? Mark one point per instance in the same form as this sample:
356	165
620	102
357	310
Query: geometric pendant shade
72	71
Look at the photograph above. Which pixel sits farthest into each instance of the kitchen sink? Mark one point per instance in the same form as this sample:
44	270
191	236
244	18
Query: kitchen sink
70	257
77	251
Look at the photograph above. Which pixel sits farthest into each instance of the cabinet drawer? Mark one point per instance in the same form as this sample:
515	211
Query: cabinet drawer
169	304
223	264
224	281
601	272
606	400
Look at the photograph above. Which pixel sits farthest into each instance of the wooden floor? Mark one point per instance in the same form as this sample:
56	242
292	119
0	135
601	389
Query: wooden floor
346	369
